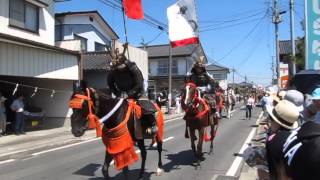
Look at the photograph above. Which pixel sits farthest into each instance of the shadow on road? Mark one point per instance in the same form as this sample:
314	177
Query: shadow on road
90	169
185	158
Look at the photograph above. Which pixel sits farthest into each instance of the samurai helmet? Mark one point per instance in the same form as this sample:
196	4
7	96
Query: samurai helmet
117	58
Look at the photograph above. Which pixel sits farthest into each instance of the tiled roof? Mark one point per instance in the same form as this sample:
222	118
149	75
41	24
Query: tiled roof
285	47
215	67
96	61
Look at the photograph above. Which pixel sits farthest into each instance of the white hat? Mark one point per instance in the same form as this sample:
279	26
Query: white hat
285	113
296	97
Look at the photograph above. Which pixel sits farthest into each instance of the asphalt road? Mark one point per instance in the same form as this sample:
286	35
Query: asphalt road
84	161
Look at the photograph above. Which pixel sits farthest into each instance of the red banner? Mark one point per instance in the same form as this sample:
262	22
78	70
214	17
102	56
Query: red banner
133	9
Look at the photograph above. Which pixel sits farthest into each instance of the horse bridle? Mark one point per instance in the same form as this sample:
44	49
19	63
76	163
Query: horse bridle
77	103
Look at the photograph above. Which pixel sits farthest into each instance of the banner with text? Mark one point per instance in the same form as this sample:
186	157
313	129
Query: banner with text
312	15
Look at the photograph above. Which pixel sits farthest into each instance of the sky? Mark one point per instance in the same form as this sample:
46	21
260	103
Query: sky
233	33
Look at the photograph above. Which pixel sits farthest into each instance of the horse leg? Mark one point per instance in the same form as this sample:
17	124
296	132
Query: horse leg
125	172
105	168
200	142
159	148
143	157
193	138
212	134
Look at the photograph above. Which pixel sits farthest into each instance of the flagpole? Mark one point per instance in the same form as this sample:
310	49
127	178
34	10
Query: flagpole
125	28
124	23
170	79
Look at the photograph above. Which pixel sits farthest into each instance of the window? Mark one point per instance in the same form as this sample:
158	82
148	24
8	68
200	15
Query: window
163	67
83	41
24	15
99	46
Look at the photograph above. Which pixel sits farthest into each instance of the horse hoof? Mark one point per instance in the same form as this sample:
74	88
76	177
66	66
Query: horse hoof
159	172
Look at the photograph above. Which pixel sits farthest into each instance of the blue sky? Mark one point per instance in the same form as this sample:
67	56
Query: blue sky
239	32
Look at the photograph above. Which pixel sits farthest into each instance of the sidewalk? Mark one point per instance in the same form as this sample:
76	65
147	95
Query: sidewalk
13	147
249	173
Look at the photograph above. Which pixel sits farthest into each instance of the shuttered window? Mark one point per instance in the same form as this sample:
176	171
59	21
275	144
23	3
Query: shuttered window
24	15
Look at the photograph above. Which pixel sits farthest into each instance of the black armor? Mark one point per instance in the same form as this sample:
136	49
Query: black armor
126	78
200	77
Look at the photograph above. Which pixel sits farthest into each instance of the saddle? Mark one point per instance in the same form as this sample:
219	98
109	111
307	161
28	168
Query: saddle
146	126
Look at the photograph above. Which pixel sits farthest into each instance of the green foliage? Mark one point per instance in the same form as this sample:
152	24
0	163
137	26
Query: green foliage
300	56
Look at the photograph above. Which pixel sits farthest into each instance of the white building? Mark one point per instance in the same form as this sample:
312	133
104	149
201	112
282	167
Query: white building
28	57
219	73
86	31
182	60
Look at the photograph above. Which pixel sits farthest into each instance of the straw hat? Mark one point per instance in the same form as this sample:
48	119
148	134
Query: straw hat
285	113
282	94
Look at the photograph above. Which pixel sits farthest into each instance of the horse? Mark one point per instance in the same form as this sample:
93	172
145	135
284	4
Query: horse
199	114
96	106
229	102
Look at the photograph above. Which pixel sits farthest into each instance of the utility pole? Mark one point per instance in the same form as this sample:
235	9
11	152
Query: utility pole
233	77
272	69
276	20
293	43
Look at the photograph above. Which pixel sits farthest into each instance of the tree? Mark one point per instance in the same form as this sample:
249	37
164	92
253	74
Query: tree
300	56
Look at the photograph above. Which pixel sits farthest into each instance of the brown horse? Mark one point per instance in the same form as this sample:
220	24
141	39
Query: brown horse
90	107
199	115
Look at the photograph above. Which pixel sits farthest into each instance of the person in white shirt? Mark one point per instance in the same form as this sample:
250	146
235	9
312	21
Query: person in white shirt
249	106
18	107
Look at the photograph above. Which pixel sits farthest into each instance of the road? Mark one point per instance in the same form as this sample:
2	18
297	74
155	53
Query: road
84	161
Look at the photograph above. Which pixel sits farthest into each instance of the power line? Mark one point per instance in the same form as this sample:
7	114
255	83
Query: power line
147	20
252	51
228	26
215	23
243	40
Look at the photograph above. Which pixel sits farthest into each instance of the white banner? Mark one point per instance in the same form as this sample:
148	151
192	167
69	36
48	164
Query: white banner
183	26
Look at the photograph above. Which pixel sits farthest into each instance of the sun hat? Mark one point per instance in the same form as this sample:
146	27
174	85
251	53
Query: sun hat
316	94
281	94
285	113
296	97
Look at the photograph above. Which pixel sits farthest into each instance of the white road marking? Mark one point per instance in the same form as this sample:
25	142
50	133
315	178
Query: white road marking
237	161
175	119
63	147
166	139
7	161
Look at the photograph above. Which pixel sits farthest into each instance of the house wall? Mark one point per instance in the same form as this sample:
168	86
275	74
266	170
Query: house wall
46	24
56	109
18	60
184	65
96	79
81	25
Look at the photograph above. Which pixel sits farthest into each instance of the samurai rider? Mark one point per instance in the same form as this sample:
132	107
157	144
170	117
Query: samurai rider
203	80
125	80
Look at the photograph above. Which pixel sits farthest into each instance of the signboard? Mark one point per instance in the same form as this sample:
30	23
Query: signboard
284	75
312	15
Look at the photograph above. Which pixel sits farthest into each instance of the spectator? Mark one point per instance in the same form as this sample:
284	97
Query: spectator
18	107
312	110
283	118
162	99
297	98
3	117
249	106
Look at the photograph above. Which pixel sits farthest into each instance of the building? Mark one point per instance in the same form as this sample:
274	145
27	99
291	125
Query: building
96	65
84	31
285	52
29	61
219	73
182	61
89	33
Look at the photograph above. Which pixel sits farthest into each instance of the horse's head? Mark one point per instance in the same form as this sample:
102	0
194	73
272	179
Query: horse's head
82	103
191	93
